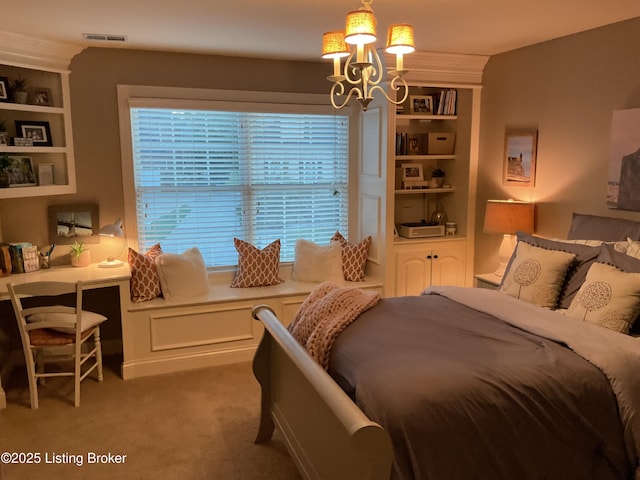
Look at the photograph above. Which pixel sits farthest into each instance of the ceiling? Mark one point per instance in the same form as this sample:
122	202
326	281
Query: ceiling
292	29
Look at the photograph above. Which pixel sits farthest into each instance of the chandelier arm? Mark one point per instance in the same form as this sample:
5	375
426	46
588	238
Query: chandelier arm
389	99
337	90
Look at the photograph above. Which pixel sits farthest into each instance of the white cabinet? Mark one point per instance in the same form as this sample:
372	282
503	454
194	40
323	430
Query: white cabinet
47	113
422	264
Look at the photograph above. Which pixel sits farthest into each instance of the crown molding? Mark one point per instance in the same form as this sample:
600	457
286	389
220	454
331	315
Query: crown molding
29	52
442	67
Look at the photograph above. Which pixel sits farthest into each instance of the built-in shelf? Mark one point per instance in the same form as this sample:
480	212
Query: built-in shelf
45	66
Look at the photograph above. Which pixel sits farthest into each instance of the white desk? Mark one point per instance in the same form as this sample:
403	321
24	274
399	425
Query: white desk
92	276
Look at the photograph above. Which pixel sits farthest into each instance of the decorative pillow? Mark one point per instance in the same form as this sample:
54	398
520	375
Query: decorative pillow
182	275
317	263
354	257
89	320
257	267
586	254
608	297
536	275
144	284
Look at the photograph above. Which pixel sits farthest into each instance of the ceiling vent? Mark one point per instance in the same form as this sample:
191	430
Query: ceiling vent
105	37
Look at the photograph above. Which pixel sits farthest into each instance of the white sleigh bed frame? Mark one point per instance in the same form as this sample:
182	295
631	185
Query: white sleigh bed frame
327	435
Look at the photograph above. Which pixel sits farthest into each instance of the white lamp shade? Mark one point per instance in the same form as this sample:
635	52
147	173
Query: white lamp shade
333	45
400	39
113	230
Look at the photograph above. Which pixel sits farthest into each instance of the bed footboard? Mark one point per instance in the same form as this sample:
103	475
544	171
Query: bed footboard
327	435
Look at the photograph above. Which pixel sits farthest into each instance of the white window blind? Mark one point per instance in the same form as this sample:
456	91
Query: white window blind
203	177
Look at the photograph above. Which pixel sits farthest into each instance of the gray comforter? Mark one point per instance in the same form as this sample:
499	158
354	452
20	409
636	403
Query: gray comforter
473	384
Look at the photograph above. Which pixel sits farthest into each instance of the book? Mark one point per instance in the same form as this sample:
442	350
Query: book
17	256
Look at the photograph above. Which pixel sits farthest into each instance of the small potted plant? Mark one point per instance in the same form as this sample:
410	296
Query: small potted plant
437	178
19	89
80	255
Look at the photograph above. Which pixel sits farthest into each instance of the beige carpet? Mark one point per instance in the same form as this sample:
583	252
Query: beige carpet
188	425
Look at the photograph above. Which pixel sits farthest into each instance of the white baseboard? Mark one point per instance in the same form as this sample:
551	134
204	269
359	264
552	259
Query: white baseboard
170	364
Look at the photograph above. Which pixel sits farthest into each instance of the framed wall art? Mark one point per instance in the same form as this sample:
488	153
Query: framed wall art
520	150
39	132
71	223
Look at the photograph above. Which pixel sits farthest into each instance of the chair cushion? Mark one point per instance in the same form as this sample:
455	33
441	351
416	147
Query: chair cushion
43	337
89	320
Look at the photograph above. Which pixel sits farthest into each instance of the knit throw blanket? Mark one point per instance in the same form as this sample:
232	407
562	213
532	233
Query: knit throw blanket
326	312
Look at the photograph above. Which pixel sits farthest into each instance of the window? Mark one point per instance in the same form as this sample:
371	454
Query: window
205	175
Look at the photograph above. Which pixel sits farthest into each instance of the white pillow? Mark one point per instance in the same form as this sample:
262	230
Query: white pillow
182	275
89	320
317	263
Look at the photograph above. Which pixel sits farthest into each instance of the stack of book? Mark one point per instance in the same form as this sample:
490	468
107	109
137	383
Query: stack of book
24	258
445	102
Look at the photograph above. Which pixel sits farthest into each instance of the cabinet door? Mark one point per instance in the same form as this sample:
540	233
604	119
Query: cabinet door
448	265
413	272
434	264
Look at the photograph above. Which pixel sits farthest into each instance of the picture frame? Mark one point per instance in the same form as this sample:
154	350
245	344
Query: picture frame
20	170
4	89
412	176
45	174
40	96
520	152
421	104
71	223
39	132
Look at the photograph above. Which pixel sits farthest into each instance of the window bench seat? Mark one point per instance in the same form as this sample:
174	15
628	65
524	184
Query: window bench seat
211	329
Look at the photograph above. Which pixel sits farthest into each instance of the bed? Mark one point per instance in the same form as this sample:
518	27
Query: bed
468	383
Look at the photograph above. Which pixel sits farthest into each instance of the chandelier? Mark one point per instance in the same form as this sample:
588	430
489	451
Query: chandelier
363	69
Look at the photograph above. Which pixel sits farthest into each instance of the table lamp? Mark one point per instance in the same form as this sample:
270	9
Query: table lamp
113	230
507	217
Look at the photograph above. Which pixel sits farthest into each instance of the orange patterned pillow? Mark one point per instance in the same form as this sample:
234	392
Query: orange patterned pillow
354	257
145	284
257	267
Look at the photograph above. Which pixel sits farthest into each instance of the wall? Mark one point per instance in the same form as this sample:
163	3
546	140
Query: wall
566	88
95	72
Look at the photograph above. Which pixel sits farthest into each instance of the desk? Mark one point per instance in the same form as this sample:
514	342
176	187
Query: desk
92	276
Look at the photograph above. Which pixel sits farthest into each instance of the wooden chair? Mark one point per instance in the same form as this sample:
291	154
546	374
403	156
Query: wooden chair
58	330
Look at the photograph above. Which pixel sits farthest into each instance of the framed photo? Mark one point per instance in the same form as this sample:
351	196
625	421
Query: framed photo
520	149
421	104
40	96
4	89
4	139
20	170
39	132
71	223
411	171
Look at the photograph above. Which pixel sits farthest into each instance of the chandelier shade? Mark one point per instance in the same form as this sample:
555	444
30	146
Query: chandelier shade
360	27
333	45
363	70
400	39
